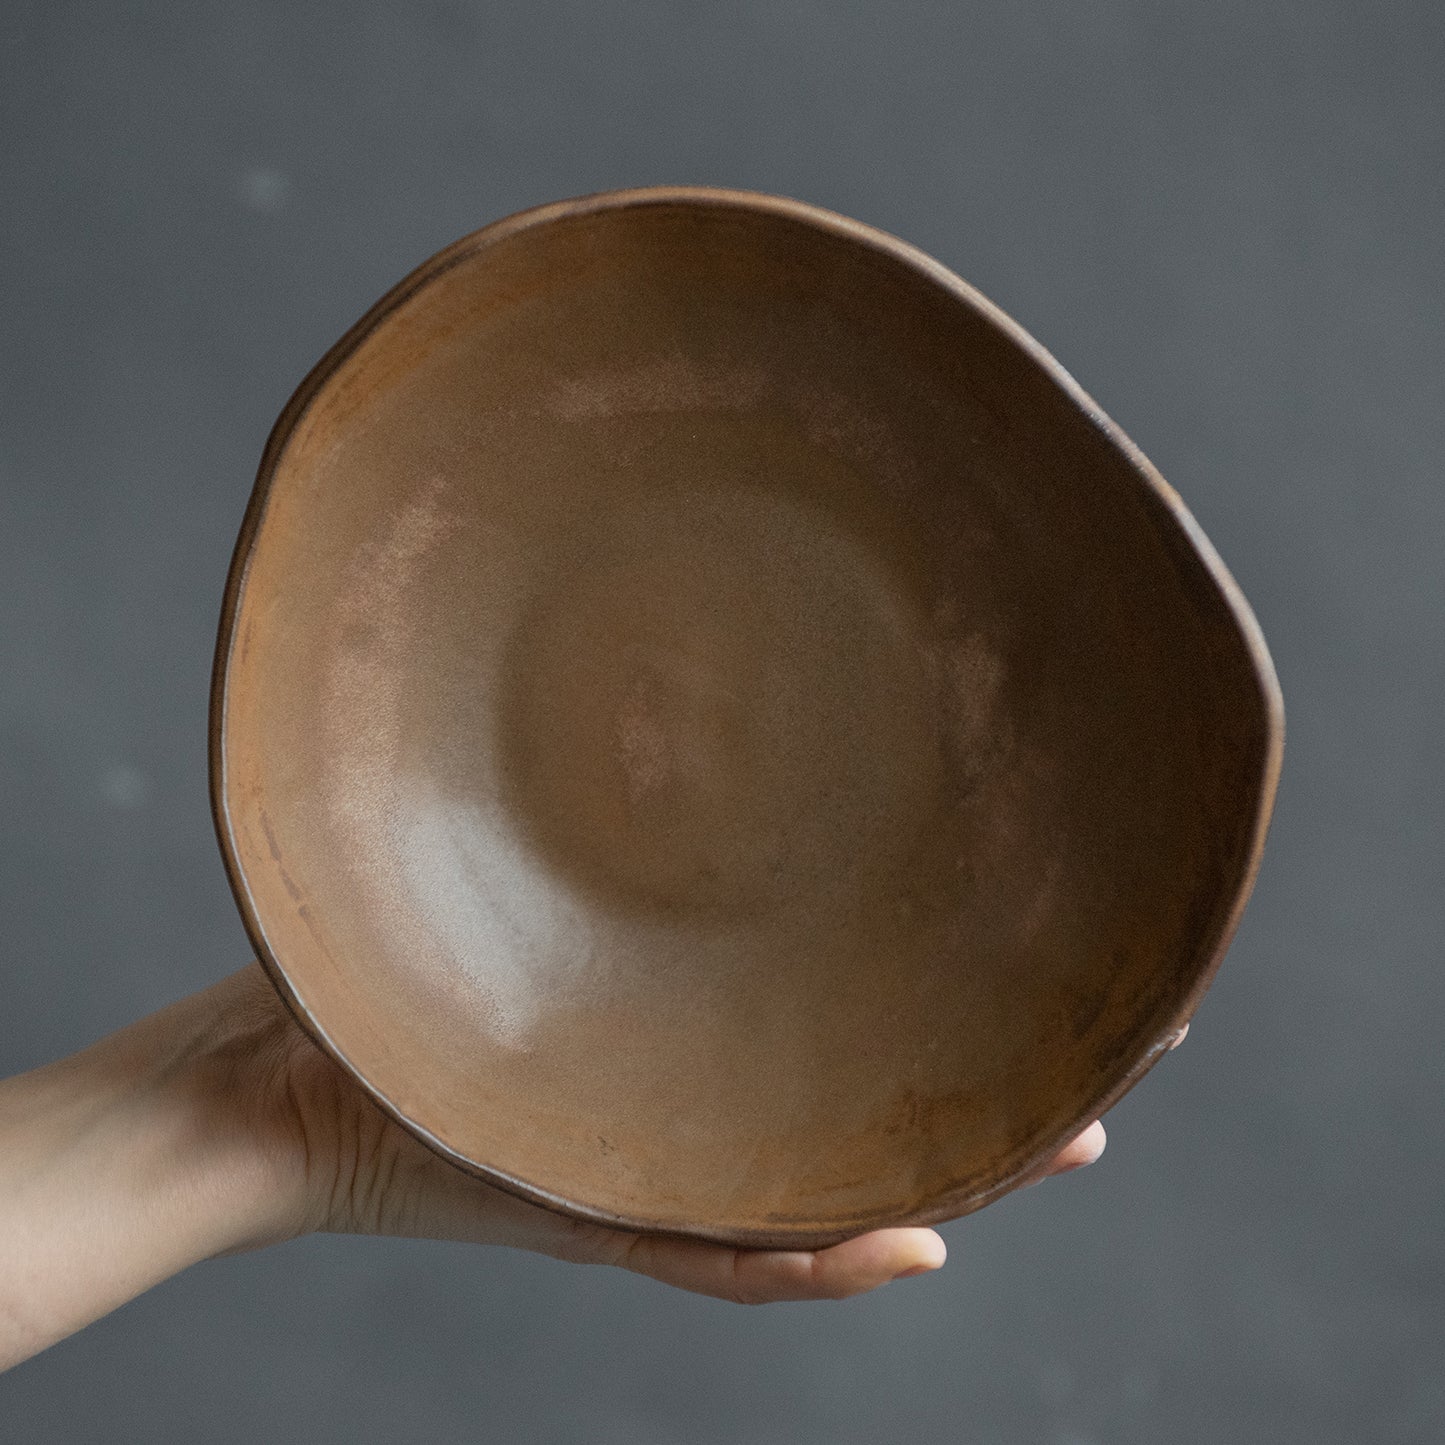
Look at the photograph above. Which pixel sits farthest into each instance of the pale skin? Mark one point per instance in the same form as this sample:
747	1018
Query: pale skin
216	1126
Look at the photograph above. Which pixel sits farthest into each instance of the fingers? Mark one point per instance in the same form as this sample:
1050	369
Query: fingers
1084	1149
749	1276
1087	1147
766	1276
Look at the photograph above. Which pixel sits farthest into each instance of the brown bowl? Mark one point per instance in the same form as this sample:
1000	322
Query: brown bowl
719	734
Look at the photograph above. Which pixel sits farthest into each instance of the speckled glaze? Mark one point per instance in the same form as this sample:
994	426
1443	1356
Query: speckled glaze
718	734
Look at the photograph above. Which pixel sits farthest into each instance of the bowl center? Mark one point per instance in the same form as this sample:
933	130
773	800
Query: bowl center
722	704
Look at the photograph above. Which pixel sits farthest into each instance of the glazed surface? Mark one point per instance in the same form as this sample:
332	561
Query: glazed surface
717	735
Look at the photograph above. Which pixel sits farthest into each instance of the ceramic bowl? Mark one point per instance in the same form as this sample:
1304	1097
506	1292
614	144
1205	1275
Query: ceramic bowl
717	732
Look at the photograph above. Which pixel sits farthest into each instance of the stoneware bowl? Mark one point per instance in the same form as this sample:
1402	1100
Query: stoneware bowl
718	734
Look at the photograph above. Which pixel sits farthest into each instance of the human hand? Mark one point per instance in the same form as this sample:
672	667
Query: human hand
216	1126
353	1170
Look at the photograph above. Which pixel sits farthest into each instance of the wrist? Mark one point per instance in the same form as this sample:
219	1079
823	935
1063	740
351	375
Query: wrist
211	1089
129	1161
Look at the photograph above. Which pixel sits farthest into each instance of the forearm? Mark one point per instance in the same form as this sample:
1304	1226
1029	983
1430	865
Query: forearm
120	1166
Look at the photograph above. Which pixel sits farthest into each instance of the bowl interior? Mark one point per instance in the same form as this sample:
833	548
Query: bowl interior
717	736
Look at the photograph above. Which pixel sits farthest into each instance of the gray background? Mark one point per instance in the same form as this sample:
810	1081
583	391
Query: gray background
1225	219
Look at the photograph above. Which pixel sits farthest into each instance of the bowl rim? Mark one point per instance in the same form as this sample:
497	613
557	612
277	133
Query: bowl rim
1036	1160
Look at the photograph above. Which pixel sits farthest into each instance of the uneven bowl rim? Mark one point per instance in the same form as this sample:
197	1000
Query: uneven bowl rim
948	1206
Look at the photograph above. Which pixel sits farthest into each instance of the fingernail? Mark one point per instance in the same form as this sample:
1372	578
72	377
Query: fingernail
915	1270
